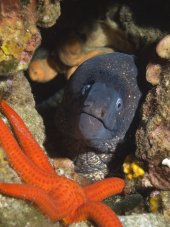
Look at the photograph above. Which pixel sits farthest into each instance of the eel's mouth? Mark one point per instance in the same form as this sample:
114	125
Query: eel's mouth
93	128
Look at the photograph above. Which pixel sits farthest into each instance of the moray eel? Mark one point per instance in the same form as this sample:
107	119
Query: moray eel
99	104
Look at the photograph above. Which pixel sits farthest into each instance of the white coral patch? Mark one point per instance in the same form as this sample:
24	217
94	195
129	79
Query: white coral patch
166	162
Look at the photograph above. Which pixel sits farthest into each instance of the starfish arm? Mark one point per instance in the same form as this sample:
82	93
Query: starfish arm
102	189
98	212
33	194
26	140
27	170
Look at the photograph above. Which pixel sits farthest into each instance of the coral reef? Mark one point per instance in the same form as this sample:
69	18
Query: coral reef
18	92
48	11
71	49
132	170
137	220
163	47
19	36
127	26
153	144
142	25
153	134
165	197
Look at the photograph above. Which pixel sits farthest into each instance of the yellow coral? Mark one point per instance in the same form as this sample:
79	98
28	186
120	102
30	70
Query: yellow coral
13	45
132	170
18	38
154	203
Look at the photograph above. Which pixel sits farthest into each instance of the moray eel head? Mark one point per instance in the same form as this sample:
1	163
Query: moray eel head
101	109
102	96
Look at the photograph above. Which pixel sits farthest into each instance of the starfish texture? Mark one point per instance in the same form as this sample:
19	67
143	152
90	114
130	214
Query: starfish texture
58	197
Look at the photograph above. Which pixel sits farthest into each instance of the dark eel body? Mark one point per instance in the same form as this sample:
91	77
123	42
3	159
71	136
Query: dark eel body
99	104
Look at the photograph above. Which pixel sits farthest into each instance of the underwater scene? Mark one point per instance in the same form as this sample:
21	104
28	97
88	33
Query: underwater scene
84	113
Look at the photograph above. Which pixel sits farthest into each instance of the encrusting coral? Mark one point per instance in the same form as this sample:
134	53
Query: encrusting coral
19	36
163	47
132	170
153	145
57	196
71	50
48	12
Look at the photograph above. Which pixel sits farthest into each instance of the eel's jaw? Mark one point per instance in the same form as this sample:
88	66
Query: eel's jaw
92	128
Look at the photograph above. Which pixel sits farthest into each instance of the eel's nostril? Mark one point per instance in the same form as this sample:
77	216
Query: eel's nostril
102	113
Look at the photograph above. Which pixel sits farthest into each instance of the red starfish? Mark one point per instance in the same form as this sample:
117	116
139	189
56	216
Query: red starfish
58	197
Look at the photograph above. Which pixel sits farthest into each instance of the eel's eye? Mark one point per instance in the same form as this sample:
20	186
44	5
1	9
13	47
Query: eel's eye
119	104
86	88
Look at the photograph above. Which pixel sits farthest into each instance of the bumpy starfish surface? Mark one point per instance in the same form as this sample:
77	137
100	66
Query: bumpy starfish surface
58	197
